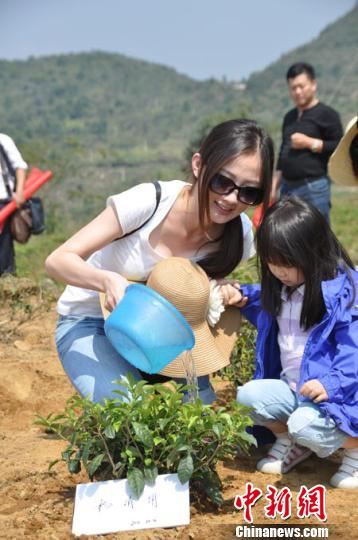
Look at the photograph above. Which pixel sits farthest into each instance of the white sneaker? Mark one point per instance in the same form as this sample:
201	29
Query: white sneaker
347	475
295	455
272	463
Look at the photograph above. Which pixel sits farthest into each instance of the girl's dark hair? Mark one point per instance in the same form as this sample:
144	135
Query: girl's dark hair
225	142
295	233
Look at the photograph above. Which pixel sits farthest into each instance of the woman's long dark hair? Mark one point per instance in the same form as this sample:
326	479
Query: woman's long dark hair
294	233
225	142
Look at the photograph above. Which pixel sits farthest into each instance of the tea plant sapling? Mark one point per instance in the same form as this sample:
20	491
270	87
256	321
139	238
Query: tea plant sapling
152	433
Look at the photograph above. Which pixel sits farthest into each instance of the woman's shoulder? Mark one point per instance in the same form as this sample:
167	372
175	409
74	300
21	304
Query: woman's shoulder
145	189
172	186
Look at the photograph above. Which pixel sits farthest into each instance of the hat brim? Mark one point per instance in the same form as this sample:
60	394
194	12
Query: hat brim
340	167
212	349
102	299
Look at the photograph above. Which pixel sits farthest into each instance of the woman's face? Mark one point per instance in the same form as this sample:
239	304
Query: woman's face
244	170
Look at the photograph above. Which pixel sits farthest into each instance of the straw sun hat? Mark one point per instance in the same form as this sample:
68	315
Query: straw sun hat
187	287
340	164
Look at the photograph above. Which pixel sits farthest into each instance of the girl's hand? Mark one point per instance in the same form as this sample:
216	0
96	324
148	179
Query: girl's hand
114	286
314	390
231	293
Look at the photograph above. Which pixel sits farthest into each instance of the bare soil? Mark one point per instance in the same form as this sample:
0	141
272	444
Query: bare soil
38	504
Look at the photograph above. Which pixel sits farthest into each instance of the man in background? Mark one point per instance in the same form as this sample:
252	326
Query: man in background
310	134
12	182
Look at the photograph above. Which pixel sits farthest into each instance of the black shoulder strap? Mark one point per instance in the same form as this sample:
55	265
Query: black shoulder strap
7	170
158	195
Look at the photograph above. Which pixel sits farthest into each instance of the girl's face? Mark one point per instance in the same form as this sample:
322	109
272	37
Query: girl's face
244	170
291	276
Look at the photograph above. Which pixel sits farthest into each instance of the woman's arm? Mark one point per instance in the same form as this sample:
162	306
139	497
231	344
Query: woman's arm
68	262
20	184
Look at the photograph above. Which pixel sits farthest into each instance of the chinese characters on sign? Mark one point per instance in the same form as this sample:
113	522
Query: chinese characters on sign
309	502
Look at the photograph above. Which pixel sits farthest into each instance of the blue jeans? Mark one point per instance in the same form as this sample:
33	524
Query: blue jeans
317	193
273	400
92	364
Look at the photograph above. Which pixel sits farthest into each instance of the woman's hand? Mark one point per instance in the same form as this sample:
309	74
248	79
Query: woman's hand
314	390
19	198
114	286
231	293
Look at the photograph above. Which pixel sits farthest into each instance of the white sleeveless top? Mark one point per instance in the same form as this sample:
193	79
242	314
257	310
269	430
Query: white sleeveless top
133	256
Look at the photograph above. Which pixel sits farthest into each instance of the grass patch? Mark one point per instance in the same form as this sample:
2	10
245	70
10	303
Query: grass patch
30	257
344	219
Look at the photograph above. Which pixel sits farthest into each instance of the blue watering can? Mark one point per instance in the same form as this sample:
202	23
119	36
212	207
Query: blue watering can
147	330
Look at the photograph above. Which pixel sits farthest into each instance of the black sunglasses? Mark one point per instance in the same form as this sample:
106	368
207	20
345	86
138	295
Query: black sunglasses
222	185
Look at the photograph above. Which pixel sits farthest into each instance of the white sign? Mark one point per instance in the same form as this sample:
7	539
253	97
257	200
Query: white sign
105	507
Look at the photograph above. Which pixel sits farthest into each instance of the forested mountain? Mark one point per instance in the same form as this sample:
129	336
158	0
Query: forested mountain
100	100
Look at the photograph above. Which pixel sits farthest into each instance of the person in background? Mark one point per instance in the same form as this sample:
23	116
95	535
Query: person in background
12	181
305	387
310	133
343	163
203	221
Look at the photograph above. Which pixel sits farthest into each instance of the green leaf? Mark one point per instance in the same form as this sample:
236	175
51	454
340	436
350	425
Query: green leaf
74	466
134	451
53	463
162	423
225	416
66	454
94	464
136	482
214	494
245	436
158	440
192	421
150	475
182	448
110	432
86	451
185	469
143	434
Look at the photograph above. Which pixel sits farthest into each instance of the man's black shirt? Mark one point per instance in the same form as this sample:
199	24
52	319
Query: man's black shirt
320	122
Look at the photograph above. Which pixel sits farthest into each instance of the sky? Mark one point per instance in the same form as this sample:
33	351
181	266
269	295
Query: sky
200	38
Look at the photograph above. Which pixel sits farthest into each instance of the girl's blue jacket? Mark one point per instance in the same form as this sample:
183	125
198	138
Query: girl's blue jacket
331	352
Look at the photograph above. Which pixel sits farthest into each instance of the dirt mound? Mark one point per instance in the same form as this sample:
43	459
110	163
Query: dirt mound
38	504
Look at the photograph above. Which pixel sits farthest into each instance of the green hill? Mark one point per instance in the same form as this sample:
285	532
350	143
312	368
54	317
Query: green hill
334	54
105	101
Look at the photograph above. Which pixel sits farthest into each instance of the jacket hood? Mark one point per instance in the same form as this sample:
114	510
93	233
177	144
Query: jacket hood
338	292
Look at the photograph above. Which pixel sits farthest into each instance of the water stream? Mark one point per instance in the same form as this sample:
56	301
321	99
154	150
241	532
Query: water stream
190	375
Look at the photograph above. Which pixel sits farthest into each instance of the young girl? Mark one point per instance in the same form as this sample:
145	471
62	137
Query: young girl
305	388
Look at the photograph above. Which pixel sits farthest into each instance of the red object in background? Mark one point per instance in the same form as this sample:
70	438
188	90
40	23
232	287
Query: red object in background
35	179
258	214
